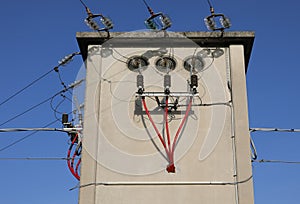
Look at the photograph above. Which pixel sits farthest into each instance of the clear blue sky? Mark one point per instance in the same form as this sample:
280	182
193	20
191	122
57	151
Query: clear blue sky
36	34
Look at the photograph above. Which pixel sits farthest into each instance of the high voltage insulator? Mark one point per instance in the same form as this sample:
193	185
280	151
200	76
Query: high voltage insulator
107	22
210	21
67	59
90	20
157	21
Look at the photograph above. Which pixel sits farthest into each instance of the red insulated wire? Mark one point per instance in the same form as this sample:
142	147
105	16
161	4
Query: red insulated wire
77	166
180	128
72	160
167	124
170	151
154	126
69	162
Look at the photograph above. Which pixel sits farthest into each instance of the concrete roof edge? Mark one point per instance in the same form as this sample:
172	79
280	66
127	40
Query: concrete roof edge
203	39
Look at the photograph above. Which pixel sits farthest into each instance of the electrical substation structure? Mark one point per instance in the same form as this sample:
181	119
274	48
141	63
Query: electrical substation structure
166	118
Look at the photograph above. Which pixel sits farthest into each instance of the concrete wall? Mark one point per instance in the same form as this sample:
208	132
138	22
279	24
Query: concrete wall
123	159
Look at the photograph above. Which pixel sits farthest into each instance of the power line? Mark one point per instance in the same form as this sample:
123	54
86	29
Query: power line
33	158
23	89
25	137
42	102
62	62
273	130
276	161
40	129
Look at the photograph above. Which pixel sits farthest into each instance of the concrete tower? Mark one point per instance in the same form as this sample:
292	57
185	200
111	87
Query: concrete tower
166	118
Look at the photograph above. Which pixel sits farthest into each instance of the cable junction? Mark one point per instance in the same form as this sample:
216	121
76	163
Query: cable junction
169	146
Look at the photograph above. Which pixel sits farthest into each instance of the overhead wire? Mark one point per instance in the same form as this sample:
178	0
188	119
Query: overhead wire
254	151
40	103
276	161
26	87
25	137
33	158
64	61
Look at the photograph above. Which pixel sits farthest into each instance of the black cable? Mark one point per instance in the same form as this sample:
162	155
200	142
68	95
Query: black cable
37	105
25	137
33	158
209	3
55	109
23	89
26	111
64	61
276	161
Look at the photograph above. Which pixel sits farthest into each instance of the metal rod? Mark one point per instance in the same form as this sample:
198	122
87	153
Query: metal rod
172	94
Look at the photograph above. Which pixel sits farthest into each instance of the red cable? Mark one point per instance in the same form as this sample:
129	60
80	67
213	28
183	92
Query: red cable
167	124
77	165
154	126
72	165
68	161
171	167
180	127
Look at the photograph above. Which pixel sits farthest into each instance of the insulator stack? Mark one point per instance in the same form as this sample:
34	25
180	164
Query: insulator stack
66	59
92	24
210	23
225	22
150	24
107	22
166	21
